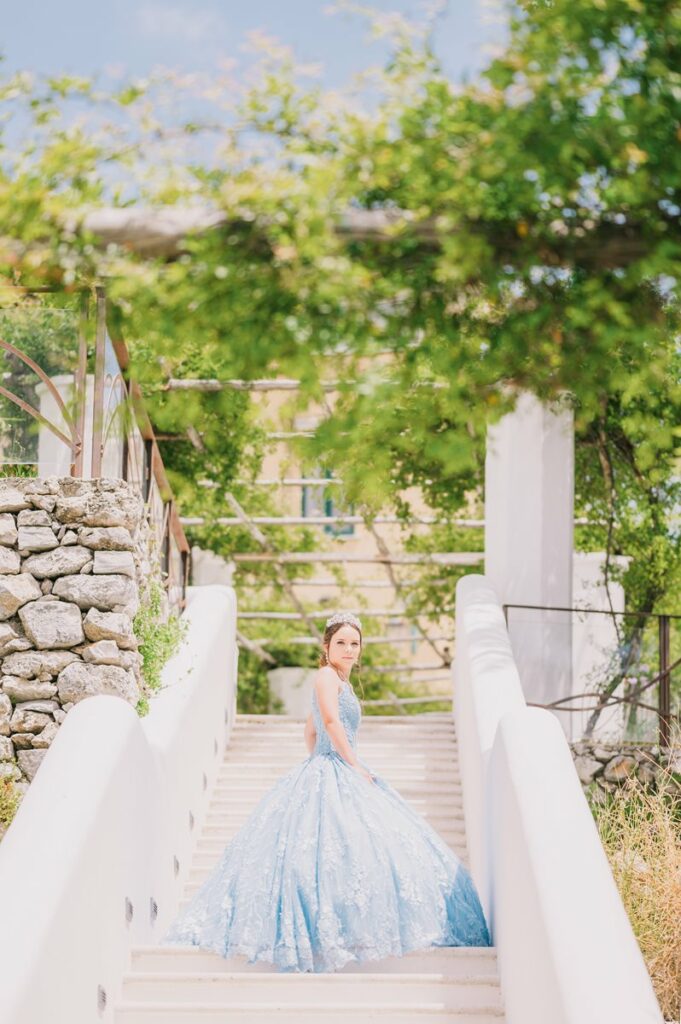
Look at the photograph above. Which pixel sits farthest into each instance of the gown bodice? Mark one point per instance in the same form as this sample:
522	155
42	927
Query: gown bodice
350	713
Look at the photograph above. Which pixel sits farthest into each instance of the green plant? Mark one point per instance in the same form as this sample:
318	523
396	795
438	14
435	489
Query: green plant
17	469
10	798
159	638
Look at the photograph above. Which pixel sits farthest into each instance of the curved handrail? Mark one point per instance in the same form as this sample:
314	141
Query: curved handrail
75	441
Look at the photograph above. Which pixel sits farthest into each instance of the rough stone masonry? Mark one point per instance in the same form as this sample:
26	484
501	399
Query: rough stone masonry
73	554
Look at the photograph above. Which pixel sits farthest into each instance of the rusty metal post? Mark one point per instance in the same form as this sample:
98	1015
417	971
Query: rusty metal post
80	388
98	398
664	689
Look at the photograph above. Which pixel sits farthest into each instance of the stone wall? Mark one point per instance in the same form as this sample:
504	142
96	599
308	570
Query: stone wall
73	554
603	767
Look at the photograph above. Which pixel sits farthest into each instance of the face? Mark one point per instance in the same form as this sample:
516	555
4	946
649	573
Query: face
344	649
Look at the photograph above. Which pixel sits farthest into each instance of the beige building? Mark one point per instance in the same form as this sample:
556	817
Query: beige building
360	569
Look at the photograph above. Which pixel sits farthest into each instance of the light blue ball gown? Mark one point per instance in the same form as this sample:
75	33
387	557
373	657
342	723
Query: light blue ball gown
330	868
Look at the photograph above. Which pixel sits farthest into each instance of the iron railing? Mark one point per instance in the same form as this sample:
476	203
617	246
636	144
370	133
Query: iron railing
106	413
625	676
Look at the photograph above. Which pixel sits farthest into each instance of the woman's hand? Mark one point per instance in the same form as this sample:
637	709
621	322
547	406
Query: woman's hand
364	773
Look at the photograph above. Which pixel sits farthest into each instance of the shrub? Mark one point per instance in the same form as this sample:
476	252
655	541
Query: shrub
640	828
159	636
10	798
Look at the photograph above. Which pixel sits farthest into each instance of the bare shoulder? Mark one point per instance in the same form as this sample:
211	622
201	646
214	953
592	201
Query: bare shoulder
326	680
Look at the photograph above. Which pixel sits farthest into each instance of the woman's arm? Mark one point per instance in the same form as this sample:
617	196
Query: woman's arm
326	685
310	733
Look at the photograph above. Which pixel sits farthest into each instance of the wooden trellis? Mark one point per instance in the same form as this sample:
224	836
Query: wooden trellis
278	559
437	558
282	578
332	521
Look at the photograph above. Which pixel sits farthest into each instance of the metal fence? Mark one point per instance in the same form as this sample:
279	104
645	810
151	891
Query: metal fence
78	412
623	680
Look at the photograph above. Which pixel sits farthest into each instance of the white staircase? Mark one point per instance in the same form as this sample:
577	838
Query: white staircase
176	985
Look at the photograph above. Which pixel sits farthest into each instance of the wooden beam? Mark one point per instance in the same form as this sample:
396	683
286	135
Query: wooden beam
431	698
309	641
292	557
288	435
385	554
332	520
161	231
289	481
212	384
349	584
390	669
322	613
255	647
281	577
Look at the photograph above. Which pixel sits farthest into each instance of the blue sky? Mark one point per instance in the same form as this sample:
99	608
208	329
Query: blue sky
132	37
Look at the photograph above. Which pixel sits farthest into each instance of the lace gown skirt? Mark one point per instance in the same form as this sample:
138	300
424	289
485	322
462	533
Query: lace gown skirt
330	868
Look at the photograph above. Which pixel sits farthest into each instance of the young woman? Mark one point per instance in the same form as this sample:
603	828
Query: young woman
333	865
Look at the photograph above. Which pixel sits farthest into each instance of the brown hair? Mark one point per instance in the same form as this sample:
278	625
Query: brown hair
326	639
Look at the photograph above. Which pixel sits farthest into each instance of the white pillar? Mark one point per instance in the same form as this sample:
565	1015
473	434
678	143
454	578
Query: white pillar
595	640
529	511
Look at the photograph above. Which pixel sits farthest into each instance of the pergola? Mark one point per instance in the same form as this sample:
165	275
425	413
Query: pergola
529	472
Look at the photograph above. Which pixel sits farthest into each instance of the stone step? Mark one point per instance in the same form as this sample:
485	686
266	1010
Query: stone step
474	992
299	749
438	720
211	856
197	876
252	781
454	961
377	742
380	741
236	799
389	737
224	831
298	752
208	851
215	837
300	1013
440	821
403	766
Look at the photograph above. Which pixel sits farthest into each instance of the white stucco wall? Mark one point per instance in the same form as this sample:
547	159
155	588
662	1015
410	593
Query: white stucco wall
102	822
567	953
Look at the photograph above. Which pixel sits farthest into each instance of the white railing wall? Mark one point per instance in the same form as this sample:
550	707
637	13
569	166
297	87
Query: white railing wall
566	950
96	857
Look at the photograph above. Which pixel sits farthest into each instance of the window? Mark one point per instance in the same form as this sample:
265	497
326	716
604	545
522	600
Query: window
314	503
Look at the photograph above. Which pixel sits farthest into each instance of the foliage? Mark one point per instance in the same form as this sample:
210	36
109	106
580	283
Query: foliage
633	511
10	798
159	637
534	242
46	330
253	695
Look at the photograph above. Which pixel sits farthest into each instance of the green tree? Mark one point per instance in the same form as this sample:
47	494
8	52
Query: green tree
529	239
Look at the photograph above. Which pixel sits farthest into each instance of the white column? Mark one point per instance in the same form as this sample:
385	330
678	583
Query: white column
529	511
595	640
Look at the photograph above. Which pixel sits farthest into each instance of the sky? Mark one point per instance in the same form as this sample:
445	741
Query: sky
131	37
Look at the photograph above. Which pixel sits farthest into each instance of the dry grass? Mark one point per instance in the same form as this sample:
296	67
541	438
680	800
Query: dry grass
640	829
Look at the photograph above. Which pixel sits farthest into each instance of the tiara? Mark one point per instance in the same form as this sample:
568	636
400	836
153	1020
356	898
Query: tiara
346	617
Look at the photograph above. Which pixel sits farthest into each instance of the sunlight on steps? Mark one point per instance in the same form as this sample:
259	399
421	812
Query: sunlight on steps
184	985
